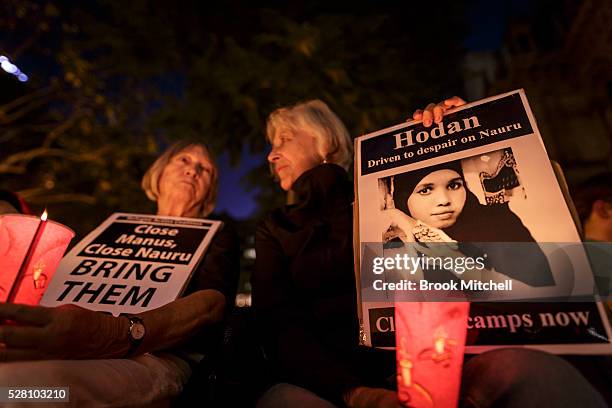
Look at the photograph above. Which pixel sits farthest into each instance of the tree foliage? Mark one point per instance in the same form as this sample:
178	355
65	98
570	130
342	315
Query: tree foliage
114	81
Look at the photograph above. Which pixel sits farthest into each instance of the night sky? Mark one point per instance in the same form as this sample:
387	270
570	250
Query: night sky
233	197
487	20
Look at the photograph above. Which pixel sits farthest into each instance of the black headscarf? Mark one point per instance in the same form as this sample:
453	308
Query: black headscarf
405	183
469	223
482	224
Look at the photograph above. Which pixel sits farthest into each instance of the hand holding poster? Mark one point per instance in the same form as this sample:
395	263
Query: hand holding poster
472	205
131	263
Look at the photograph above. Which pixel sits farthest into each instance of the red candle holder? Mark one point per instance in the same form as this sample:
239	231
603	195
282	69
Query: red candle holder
430	339
30	251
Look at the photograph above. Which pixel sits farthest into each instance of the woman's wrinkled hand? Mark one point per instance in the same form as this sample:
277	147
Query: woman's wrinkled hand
434	111
63	332
366	397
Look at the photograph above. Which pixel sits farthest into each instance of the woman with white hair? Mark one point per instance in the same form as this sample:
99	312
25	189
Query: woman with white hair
120	361
304	291
303	286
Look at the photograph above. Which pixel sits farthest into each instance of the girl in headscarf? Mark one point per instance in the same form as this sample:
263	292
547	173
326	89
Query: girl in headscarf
436	205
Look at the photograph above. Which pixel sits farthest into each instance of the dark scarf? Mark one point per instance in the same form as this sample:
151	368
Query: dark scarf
320	192
480	229
477	222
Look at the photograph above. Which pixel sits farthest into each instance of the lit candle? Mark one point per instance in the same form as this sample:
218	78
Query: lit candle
434	334
440	340
406	366
28	279
28	257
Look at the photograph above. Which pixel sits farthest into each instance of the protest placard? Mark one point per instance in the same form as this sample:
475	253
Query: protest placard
131	263
470	208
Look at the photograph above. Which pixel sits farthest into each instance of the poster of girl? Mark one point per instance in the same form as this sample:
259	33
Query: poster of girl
437	204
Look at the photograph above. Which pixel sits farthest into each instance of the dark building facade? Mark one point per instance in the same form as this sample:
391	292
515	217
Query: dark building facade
562	57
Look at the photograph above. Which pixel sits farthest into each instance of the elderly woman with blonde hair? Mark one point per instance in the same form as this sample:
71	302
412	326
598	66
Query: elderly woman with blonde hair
120	361
304	291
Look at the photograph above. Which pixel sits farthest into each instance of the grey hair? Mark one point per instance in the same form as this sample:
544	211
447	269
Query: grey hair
333	140
150	180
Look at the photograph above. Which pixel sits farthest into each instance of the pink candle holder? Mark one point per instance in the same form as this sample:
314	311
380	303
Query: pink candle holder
430	338
17	236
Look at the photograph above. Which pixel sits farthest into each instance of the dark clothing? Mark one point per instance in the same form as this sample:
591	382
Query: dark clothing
484	229
477	222
498	232
305	309
600	256
219	270
220	267
304	290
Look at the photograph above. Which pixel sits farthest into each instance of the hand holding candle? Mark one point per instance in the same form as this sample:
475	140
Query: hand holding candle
30	250
63	332
28	259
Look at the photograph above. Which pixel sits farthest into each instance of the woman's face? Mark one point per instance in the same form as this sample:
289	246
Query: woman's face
293	152
187	176
438	199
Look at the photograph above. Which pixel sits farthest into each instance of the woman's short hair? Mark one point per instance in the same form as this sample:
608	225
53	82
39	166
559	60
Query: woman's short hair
150	180
333	140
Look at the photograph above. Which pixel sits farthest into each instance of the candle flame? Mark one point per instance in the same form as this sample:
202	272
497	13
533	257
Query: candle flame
43	217
439	345
406	367
37	272
440	340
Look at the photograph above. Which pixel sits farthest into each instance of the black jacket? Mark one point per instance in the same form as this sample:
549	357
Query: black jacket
304	291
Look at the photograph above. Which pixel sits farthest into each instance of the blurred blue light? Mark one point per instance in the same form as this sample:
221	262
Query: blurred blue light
8	67
11	68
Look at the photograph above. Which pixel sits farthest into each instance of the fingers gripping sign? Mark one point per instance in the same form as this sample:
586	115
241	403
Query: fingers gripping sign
433	113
